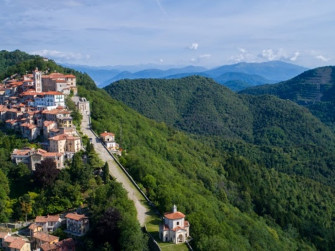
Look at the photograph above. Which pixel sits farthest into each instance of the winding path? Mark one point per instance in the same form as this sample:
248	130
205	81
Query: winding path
115	170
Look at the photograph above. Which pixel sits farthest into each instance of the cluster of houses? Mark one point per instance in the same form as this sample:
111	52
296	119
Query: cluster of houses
40	237
35	107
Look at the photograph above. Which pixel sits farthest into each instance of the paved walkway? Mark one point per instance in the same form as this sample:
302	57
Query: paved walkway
116	172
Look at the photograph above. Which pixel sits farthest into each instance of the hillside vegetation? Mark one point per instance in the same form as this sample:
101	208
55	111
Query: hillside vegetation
174	168
267	130
314	89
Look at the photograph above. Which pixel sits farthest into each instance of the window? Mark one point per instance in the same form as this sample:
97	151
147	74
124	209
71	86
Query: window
177	223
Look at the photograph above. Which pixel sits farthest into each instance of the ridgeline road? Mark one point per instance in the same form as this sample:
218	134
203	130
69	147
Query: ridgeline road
115	170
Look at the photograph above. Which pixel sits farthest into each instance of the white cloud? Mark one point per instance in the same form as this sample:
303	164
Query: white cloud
194	46
322	58
270	54
161	60
61	56
242	50
243	56
295	56
279	54
265	55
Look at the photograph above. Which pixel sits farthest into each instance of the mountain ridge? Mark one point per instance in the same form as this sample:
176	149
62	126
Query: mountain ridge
314	89
266	72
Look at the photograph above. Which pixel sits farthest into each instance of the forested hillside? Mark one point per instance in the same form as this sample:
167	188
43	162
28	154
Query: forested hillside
267	130
174	168
232	202
314	89
8	59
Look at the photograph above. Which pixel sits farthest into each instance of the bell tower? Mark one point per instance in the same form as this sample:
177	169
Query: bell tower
37	80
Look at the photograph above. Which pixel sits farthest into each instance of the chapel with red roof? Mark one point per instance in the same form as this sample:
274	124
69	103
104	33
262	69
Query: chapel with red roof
174	228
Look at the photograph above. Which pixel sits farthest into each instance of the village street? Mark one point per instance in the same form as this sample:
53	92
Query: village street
116	171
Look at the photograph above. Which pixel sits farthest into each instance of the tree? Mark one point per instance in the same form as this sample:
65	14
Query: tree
105	173
26	205
4	191
46	173
80	173
107	229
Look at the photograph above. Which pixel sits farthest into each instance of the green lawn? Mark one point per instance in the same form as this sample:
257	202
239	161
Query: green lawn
173	247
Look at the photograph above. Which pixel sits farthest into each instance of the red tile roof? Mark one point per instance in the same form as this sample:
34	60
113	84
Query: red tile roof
29	93
104	134
64	137
59	137
22	152
48	123
10	239
45	237
17	244
53	93
3	108
68	243
48	218
52	154
70	76
29	126
11	121
70	137
75	216
47	246
32	226
174	216
55	75
57	111
3	235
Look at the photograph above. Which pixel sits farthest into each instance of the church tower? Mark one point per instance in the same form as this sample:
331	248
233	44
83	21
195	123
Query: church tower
37	80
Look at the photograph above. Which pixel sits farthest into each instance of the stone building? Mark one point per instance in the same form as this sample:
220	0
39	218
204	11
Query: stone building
109	139
76	224
83	106
174	228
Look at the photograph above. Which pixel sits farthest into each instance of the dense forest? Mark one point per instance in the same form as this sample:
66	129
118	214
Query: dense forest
270	131
228	184
314	89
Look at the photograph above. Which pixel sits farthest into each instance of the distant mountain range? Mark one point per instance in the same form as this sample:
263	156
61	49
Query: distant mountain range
236	77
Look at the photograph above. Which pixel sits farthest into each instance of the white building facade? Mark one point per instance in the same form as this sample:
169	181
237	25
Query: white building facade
49	100
174	228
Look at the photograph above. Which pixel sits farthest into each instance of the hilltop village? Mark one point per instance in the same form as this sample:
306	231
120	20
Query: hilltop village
35	107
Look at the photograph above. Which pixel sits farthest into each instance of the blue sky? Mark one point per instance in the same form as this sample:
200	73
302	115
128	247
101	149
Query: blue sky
171	32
